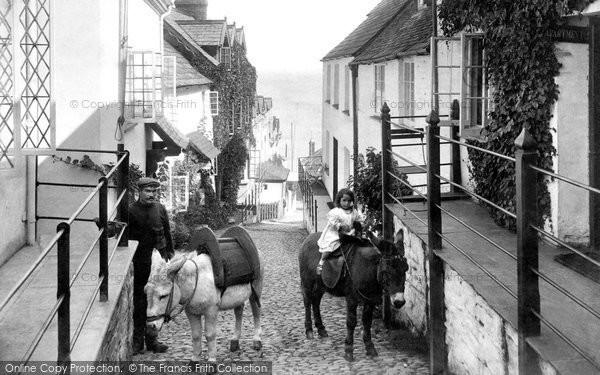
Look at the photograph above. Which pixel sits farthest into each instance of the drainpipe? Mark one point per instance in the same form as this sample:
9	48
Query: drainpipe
354	71
123	41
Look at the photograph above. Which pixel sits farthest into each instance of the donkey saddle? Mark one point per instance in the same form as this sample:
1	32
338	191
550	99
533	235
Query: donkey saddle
333	268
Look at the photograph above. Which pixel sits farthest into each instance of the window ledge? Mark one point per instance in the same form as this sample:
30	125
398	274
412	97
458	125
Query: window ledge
474	133
346	112
328	101
336	106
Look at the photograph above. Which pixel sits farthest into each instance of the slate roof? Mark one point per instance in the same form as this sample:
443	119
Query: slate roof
206	32
173	28
187	75
240	37
169	133
408	34
383	13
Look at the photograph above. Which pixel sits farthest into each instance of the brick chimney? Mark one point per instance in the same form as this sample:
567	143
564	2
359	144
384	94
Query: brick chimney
193	8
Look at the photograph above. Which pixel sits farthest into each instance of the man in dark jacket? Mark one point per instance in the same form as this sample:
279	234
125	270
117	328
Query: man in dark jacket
148	224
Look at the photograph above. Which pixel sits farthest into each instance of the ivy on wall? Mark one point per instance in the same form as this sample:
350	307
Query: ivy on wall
521	68
237	88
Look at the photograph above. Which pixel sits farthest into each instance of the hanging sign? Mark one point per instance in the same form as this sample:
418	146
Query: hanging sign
571	34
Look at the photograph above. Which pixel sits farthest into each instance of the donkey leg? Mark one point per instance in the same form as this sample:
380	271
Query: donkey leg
235	341
350	326
306	296
210	328
196	324
367	319
316	306
256	311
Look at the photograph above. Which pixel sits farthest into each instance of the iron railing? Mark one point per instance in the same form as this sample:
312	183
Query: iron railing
62	307
310	206
530	316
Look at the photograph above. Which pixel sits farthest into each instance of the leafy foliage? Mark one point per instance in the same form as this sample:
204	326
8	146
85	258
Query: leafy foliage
521	65
369	185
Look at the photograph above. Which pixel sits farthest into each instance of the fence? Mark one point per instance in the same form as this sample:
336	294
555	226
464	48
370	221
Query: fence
310	206
62	307
527	298
268	211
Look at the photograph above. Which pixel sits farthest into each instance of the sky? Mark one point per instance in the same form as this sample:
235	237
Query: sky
291	36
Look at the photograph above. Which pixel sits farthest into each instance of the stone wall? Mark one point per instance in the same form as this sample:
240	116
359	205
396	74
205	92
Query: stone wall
116	344
479	341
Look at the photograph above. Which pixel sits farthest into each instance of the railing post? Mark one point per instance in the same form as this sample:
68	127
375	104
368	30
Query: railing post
527	249
386	216
63	280
316	216
123	185
436	325
103	214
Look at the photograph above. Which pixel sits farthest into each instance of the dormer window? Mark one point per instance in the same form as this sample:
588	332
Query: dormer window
226	57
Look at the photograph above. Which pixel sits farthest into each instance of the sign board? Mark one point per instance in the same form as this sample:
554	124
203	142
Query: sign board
571	34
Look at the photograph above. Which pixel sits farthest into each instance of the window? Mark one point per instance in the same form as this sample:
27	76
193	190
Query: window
226	57
144	85
408	85
379	87
327	136
169	88
347	88
253	162
328	84
336	86
474	91
25	57
214	102
347	158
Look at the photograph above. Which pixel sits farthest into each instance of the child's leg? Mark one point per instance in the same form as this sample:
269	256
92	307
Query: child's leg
324	256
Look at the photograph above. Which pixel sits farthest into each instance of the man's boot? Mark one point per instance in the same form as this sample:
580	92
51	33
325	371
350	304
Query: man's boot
153	344
138	342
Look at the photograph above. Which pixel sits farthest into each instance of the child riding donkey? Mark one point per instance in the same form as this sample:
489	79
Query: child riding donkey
344	219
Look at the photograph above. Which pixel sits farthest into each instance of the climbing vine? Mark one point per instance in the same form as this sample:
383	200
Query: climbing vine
521	68
237	88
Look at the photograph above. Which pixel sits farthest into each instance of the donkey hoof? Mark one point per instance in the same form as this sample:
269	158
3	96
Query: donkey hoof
371	352
310	335
349	356
257	344
234	345
323	333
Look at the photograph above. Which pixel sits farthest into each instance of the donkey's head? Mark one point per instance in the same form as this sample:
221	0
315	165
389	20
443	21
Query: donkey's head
391	272
161	292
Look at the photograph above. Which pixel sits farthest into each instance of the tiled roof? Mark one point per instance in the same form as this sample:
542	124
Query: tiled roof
174	29
205	33
187	75
271	172
368	29
240	36
203	145
409	33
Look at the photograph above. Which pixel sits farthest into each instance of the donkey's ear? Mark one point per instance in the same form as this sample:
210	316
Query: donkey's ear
174	265
156	258
399	241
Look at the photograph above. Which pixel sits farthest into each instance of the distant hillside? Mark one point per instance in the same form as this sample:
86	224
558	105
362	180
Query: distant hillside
297	98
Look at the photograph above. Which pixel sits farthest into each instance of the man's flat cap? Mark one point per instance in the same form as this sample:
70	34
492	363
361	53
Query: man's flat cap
147	181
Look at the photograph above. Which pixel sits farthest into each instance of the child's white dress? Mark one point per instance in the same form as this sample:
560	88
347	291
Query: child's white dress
337	217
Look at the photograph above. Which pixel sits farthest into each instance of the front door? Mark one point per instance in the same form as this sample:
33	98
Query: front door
335	167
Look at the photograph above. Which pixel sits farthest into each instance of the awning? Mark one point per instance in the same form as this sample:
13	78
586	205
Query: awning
170	134
201	144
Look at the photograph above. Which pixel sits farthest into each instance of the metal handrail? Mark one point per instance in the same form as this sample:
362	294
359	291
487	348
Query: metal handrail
85	258
566	293
474	195
83	205
86	313
476	148
407	127
562	243
476	263
408	161
117	203
565	179
405	183
31	269
89	151
565	339
40	333
406	209
477	232
114	167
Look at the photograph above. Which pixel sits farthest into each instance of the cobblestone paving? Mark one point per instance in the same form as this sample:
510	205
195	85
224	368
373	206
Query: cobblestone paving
284	341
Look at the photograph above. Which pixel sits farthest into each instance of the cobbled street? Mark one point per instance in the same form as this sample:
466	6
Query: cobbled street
284	341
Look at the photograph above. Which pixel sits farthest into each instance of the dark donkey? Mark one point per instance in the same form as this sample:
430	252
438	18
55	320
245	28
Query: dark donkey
373	269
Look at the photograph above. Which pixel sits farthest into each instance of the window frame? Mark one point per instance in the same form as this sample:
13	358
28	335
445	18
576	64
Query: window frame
467	110
408	88
213	102
328	83
379	87
336	86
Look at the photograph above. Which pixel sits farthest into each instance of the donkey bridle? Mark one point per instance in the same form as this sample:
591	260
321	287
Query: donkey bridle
167	314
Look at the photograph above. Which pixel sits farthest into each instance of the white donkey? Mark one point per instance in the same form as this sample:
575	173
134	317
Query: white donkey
188	280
